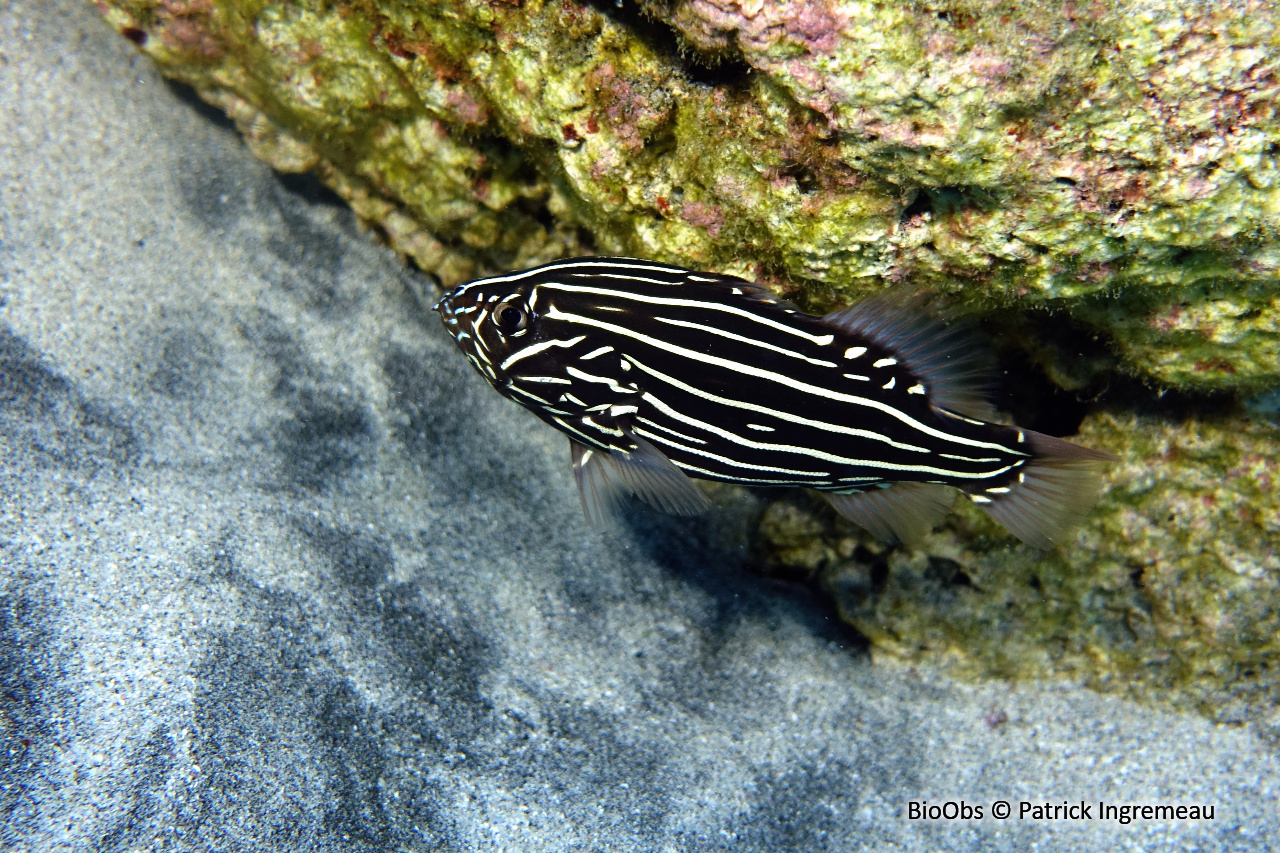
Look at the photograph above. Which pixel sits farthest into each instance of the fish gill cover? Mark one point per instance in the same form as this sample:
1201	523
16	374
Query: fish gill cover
1098	181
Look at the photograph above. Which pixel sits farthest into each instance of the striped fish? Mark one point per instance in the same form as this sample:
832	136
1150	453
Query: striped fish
658	374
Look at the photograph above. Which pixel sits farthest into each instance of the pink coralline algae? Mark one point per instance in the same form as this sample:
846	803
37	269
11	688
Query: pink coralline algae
627	107
704	216
184	26
466	108
813	26
759	25
768	33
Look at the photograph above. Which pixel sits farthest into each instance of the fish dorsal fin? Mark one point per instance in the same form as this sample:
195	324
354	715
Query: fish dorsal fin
944	354
1051	494
604	477
905	510
755	291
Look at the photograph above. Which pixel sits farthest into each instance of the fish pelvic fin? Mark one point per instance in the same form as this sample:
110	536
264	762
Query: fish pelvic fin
601	493
1052	493
606	477
905	511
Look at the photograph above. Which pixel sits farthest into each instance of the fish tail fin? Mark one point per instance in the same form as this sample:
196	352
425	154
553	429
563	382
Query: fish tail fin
1052	492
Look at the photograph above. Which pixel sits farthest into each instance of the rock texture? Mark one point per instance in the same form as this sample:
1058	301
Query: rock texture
280	574
1115	161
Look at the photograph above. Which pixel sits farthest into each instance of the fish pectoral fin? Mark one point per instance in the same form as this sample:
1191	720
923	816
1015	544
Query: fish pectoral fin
907	511
1052	492
599	487
651	476
606	477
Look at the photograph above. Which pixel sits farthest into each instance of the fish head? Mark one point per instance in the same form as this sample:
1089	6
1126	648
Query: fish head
488	322
542	346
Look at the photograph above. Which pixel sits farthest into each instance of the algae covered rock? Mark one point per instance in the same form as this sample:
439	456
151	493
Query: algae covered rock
1171	589
1115	161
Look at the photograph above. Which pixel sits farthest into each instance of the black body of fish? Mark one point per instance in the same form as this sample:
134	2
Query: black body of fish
658	374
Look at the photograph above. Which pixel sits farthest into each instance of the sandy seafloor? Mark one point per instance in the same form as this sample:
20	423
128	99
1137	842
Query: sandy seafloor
281	573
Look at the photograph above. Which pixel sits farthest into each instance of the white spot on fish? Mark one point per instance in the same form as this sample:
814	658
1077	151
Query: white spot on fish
856	376
979	499
761	428
854	352
892	381
886	362
916	389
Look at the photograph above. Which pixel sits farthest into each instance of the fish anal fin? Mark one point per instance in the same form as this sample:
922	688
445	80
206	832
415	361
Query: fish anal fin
944	353
907	511
1051	493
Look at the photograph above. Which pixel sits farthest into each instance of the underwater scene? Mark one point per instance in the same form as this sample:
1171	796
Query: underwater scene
639	425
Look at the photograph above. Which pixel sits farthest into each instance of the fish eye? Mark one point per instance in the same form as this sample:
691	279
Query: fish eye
511	317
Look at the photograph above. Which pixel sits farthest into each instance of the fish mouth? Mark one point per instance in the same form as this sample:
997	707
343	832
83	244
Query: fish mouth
445	305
